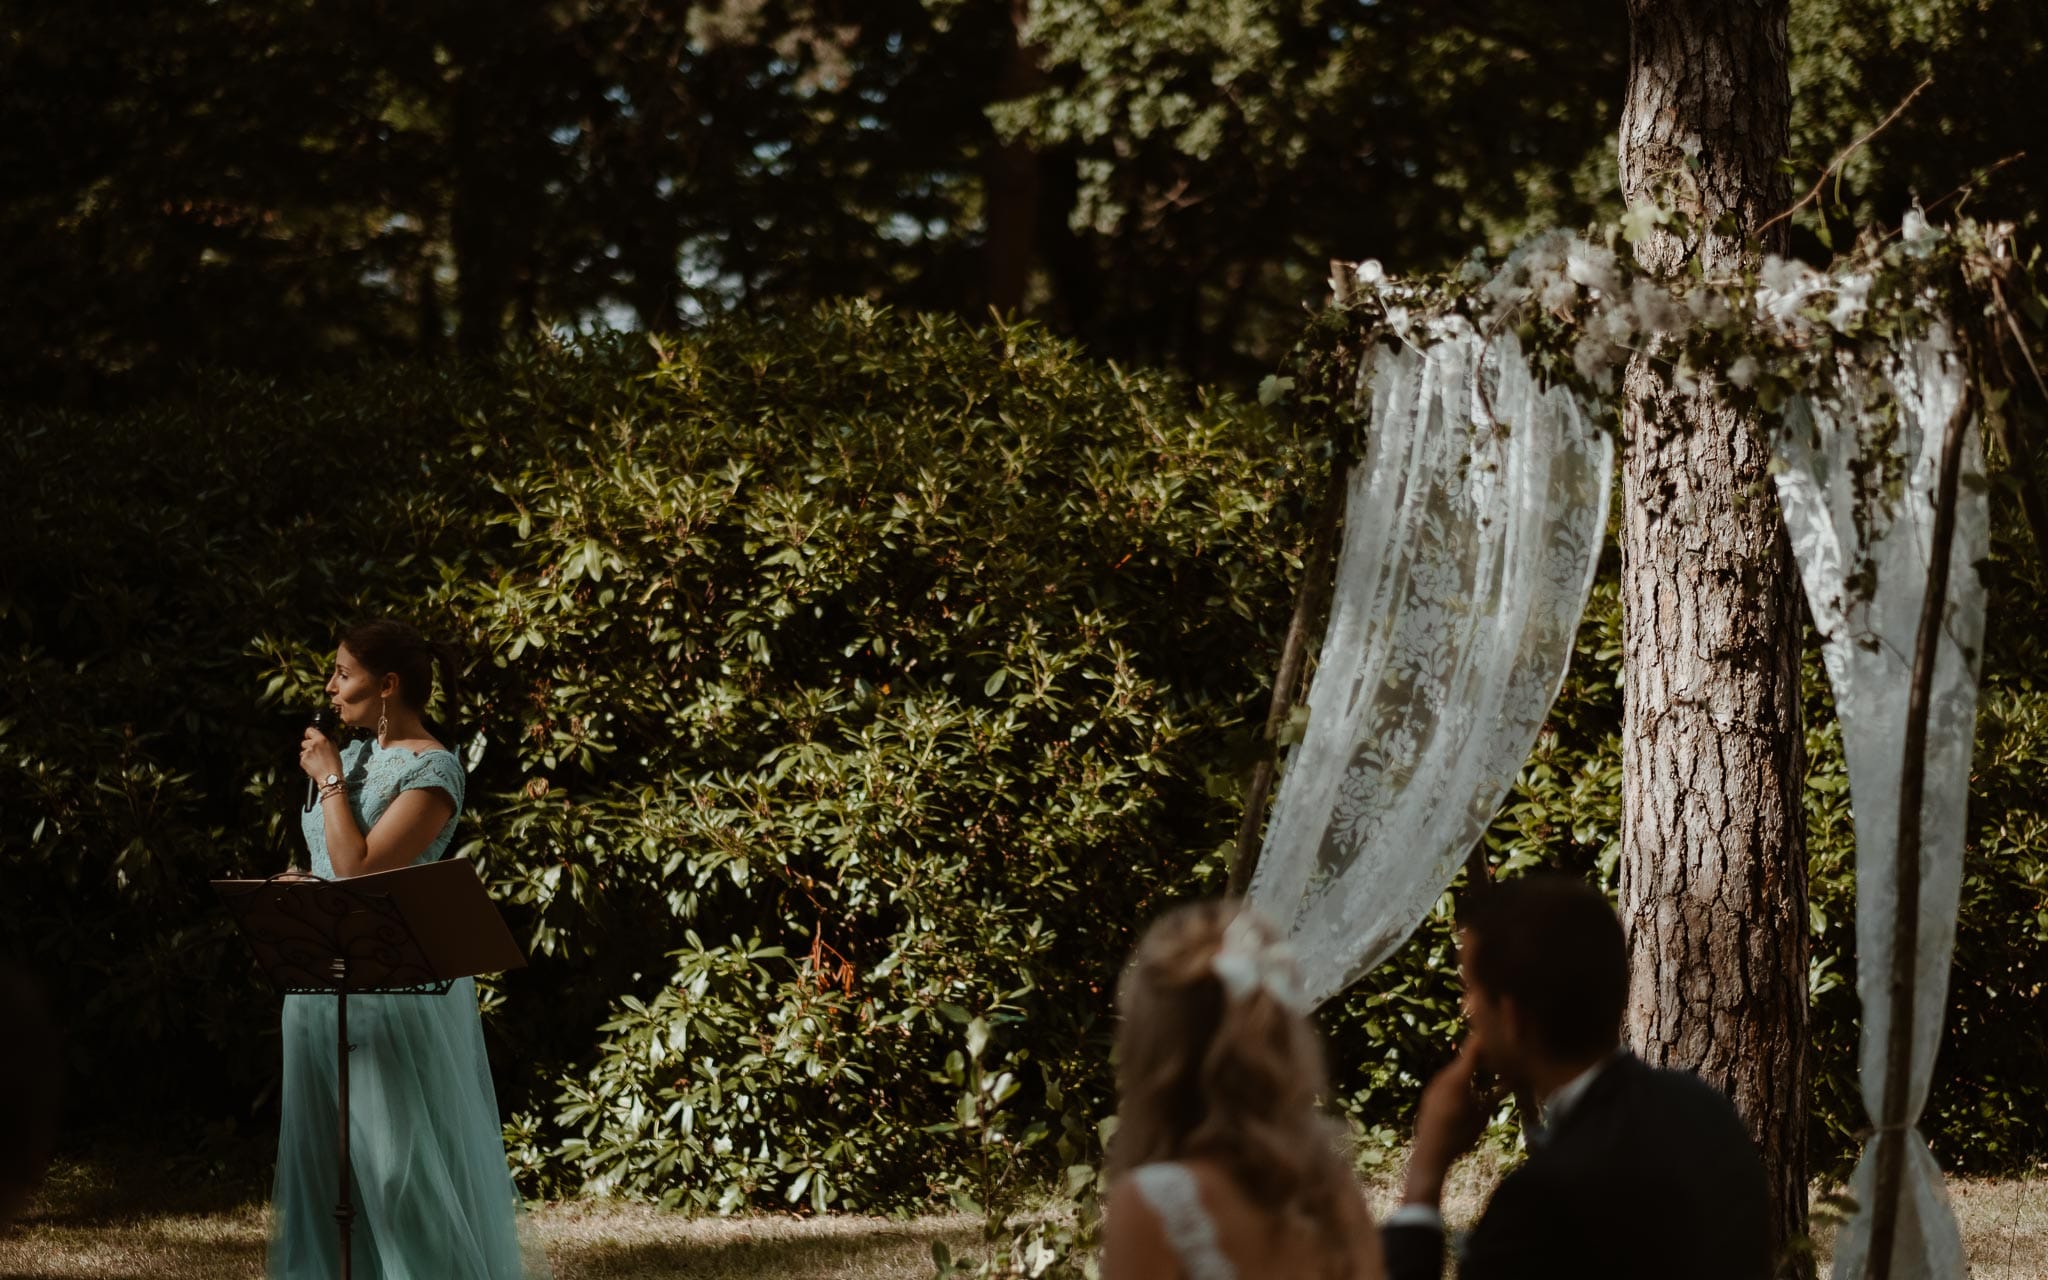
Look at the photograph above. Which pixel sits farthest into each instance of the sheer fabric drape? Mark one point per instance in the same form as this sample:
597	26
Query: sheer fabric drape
1472	531
1863	544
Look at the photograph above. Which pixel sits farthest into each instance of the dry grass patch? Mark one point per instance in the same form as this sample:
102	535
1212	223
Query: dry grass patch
2004	1220
130	1220
127	1220
636	1242
2005	1226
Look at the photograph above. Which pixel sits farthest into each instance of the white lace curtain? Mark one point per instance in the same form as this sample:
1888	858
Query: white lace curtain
1472	530
1852	527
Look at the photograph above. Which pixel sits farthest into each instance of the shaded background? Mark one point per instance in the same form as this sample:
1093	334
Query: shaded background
281	185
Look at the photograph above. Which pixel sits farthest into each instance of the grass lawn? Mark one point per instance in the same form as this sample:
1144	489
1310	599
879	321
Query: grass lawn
124	1219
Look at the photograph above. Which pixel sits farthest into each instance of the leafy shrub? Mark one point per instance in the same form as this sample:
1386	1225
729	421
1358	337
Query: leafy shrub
846	689
842	684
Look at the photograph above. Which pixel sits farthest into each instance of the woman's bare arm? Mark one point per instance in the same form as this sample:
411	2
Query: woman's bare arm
399	836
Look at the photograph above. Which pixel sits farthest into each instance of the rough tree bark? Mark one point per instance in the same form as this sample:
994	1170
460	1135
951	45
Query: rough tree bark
1713	870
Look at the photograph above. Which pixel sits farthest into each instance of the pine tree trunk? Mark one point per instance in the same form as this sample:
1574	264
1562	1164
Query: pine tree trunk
1012	179
496	152
475	234
1713	870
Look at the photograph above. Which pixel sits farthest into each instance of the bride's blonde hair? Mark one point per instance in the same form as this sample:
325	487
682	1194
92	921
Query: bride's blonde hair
1229	1076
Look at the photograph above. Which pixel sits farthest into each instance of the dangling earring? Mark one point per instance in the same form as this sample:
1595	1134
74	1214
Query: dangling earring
383	722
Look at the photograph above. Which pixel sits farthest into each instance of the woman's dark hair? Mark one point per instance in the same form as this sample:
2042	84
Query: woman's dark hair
387	646
1552	944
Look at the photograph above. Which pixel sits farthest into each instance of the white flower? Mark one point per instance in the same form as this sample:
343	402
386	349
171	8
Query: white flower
1653	303
1528	267
1594	360
1592	266
1559	294
1504	290
1709	308
1246	963
1618	324
1546	256
1786	275
1449	327
1743	372
1784	287
1850	297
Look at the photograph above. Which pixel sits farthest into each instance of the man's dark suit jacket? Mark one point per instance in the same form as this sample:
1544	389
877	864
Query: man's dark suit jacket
1650	1174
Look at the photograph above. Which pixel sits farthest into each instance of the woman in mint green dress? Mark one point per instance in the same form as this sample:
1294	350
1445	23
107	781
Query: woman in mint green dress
434	1198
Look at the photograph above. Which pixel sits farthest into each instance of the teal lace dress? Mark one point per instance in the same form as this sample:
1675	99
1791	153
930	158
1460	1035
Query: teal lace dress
433	1195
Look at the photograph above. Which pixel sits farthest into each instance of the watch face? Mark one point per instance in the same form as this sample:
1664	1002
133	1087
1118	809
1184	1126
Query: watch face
331	779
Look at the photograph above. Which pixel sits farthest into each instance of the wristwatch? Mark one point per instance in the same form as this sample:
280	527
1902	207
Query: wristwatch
331	780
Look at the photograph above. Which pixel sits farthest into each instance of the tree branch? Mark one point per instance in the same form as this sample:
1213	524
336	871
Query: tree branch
1843	156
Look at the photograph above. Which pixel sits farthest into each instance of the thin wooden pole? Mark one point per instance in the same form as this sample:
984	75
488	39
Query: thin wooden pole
1309	601
1892	1126
344	1210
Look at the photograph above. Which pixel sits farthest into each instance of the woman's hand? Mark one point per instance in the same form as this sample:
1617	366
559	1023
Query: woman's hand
318	756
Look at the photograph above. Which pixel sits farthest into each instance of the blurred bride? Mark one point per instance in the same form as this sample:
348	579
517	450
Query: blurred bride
1221	1167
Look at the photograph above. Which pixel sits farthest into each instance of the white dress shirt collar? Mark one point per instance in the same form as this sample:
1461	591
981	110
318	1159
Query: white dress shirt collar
1554	1108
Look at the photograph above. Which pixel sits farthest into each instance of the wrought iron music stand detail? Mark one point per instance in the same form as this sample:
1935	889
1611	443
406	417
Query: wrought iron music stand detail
413	931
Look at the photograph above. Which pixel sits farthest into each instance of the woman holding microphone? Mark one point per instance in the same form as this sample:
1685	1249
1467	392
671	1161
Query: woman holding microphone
432	1189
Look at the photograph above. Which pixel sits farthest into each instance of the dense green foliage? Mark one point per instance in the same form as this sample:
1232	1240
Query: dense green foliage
846	690
837	682
285	185
1855	62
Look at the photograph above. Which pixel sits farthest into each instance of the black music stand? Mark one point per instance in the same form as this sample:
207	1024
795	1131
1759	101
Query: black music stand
413	931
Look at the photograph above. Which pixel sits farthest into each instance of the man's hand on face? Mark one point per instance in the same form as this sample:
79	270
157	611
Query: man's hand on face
1449	1121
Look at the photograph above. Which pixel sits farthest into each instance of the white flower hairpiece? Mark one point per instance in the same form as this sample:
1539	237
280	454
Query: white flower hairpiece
1246	963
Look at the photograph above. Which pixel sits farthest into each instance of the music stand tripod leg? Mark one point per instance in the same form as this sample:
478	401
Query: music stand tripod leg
344	1211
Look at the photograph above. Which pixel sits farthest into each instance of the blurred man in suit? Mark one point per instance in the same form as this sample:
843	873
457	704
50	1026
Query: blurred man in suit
1633	1171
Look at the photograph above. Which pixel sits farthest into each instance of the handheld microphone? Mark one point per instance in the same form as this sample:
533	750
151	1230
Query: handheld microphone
327	722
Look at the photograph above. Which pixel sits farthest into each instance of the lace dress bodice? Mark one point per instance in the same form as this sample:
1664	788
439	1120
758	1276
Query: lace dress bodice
374	776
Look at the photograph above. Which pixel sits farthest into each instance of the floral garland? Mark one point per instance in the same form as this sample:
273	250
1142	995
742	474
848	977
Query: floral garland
1581	310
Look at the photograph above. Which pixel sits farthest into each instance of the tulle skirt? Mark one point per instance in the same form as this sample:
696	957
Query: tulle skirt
433	1196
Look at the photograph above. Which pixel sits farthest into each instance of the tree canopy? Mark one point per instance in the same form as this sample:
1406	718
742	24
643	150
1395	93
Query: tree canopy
286	185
